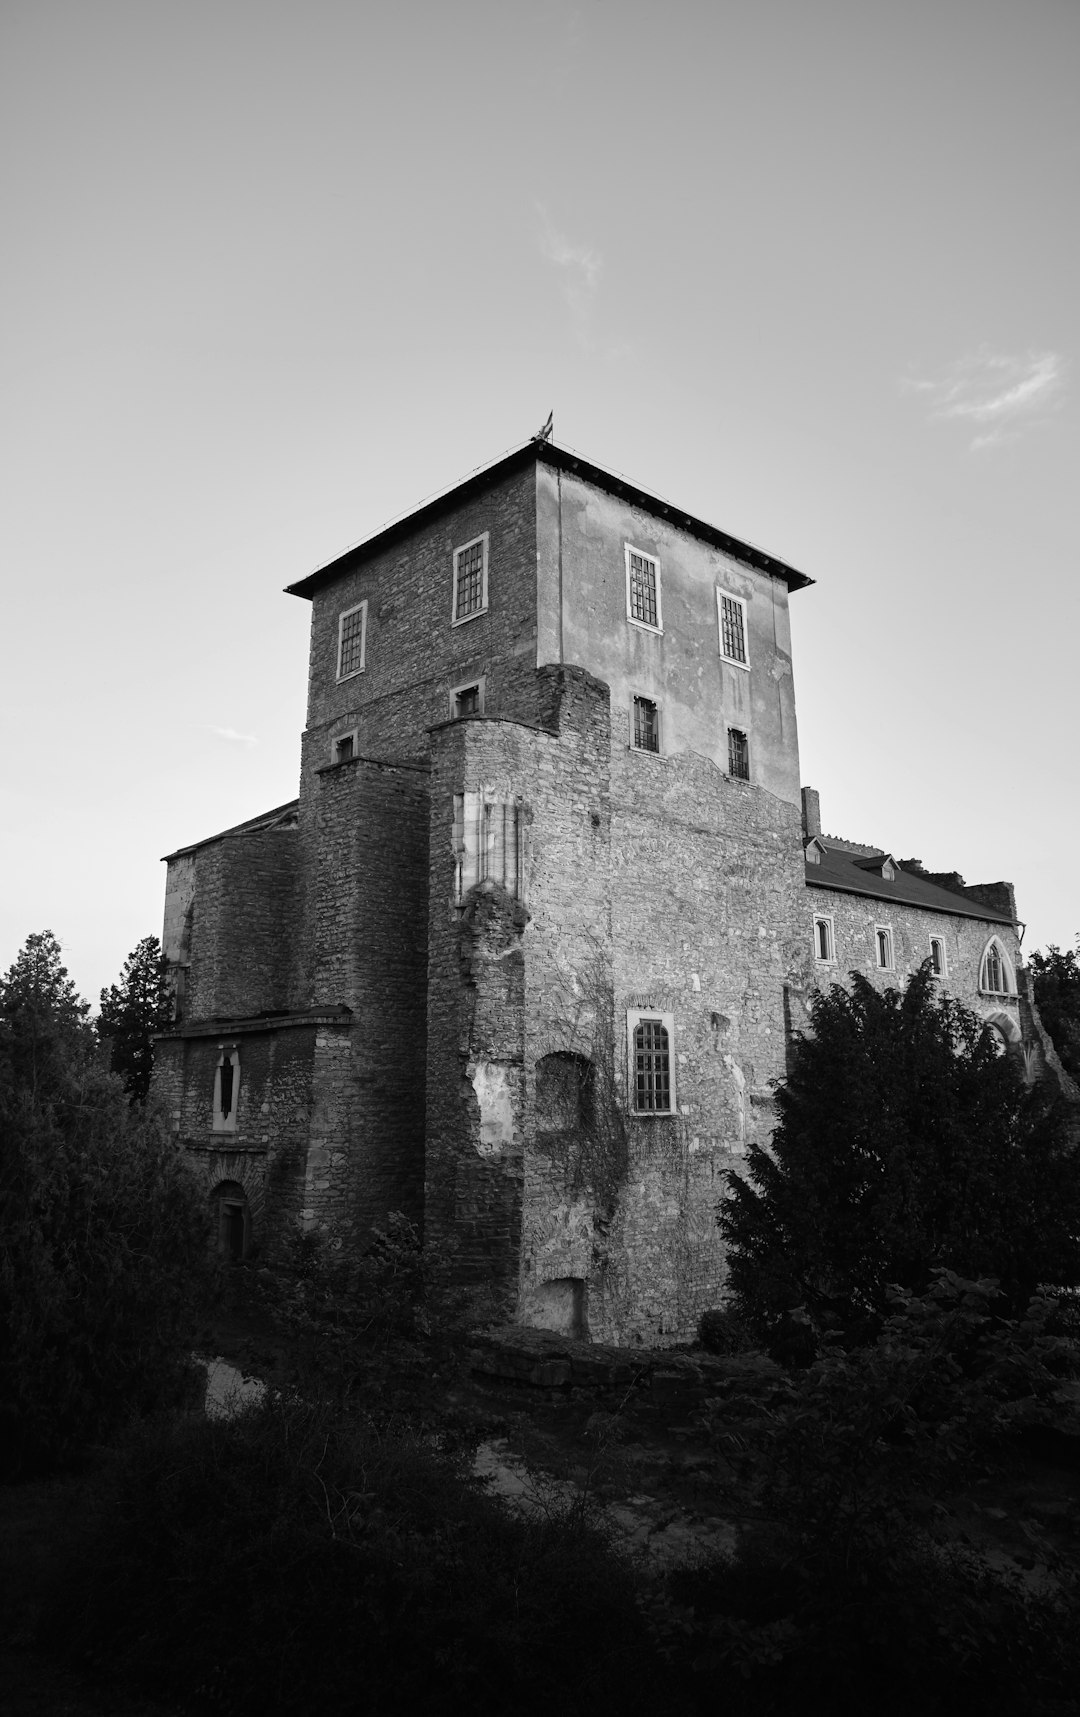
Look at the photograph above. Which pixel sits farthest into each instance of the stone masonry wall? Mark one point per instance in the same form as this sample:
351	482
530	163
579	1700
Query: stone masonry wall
671	888
242	924
266	1153
414	655
855	920
367	951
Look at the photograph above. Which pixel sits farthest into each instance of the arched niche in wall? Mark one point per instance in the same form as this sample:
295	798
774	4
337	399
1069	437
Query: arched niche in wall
565	1094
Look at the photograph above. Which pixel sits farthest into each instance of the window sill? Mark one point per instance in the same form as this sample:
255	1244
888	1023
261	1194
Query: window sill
477	614
732	663
643	626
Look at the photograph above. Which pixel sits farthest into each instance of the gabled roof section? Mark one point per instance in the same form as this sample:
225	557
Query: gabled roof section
560	459
281	817
868	873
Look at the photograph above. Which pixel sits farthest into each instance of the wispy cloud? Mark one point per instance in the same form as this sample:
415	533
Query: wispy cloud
996	394
231	733
579	268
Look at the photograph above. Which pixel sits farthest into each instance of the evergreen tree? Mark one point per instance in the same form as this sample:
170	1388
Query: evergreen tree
905	1142
104	1251
132	1012
1057	997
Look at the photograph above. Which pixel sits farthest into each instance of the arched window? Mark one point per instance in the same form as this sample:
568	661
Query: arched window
995	975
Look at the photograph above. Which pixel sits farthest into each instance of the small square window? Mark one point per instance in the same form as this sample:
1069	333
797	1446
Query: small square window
646	725
938	964
643	604
738	754
470	580
467	699
731	619
652	1069
824	939
883	947
343	747
352	640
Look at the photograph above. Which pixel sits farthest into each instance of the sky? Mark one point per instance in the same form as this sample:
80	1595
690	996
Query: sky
276	272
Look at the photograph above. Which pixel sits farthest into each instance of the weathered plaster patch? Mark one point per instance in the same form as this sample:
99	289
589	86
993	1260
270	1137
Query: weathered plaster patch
492	1086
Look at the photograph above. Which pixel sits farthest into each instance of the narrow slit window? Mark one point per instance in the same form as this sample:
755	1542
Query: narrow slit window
937	956
824	947
738	754
731	615
352	640
883	942
646	725
226	1091
643	605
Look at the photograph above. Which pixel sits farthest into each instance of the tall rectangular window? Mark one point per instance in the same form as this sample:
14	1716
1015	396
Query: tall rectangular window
470	580
652	1073
884	946
352	638
643	604
646	725
937	956
731	618
738	754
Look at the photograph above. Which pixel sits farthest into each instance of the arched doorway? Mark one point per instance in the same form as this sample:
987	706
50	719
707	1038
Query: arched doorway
232	1220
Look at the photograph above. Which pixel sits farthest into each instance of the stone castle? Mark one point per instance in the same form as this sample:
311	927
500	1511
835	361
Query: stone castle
524	956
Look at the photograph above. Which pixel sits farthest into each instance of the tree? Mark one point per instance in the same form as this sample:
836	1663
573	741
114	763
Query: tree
905	1143
1057	997
104	1251
132	1012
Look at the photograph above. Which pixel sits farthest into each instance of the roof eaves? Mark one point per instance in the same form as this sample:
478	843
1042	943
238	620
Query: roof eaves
562	459
264	821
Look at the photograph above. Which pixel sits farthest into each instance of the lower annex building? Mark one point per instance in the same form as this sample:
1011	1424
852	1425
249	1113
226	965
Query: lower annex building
524	955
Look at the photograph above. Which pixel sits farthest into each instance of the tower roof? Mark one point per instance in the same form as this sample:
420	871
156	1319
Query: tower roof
559	459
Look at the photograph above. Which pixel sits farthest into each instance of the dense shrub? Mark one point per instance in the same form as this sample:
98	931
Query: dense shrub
845	1587
1057	995
104	1260
298	1559
905	1143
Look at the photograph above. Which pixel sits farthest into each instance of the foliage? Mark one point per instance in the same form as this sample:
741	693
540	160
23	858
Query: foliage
905	1143
351	1322
842	1581
132	1012
103	1251
298	1559
1057	997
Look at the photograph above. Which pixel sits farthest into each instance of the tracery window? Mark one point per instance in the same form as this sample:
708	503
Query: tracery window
995	976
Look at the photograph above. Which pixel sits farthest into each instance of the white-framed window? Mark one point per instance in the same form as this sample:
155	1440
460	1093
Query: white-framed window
644	606
738	754
995	971
226	1089
883	947
352	641
645	725
650	1039
939	963
731	624
824	939
470	580
343	746
468	698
